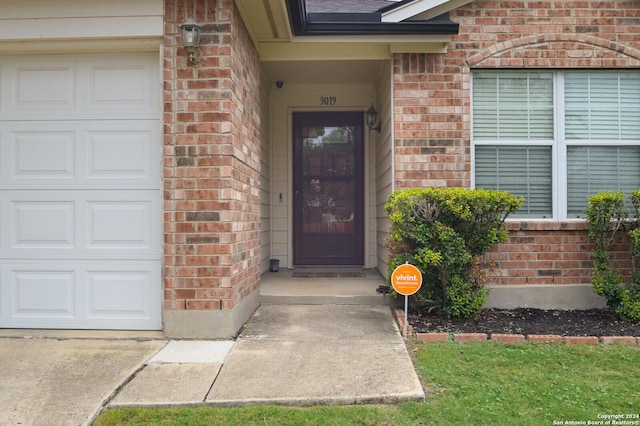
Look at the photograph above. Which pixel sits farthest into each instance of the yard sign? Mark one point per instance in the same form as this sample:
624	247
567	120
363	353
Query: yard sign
406	280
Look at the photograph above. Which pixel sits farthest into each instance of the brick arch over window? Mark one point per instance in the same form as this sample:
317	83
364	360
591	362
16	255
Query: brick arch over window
558	51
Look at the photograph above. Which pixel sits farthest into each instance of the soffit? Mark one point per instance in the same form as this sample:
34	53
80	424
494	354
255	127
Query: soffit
349	72
269	25
266	20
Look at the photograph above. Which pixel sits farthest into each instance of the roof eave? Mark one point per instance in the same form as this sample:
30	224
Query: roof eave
304	25
404	28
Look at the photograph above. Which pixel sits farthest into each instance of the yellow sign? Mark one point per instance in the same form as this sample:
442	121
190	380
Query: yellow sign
406	279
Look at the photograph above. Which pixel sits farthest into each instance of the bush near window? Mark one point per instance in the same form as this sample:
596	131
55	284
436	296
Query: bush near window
444	232
607	215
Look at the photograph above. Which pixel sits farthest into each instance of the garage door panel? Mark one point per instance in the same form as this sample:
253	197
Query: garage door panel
43	294
119	294
43	155
119	225
49	86
81	224
124	154
82	295
124	294
43	224
123	223
120	84
76	155
71	87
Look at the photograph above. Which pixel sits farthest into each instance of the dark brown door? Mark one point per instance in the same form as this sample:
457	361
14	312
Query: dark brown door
328	225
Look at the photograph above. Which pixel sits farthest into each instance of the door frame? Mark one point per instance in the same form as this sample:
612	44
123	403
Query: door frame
348	116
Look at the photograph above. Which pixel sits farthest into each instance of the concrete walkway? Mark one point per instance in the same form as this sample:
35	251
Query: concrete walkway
289	354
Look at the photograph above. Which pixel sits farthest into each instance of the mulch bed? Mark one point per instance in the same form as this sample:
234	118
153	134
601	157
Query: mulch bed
592	322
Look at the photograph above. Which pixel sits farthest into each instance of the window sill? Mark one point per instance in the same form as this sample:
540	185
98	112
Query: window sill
547	225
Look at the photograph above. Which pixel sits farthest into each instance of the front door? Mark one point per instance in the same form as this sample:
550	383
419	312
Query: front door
328	224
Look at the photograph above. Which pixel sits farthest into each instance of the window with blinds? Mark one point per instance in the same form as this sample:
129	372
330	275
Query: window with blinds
513	126
602	112
592	169
602	106
518	143
524	171
512	106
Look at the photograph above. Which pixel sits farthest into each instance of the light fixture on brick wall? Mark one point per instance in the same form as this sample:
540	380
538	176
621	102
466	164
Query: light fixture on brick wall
191	40
371	116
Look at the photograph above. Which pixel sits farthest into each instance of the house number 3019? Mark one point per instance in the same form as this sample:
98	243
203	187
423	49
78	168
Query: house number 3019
328	100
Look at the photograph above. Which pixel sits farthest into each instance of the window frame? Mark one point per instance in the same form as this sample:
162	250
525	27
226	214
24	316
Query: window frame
559	144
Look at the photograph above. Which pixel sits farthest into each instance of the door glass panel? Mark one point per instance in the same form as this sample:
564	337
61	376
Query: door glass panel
328	176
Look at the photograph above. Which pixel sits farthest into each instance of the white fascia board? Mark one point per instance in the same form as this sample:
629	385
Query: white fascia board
352	48
421	10
371	39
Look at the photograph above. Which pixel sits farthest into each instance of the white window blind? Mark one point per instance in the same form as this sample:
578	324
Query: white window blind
592	169
513	106
602	106
518	146
521	170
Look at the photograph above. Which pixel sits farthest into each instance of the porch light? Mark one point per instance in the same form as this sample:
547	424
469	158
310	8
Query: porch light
371	116
191	40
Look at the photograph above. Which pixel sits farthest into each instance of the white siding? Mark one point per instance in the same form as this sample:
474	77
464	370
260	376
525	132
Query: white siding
383	167
39	20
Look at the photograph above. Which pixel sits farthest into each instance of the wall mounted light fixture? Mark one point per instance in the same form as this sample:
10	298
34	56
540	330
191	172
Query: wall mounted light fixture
371	116
191	40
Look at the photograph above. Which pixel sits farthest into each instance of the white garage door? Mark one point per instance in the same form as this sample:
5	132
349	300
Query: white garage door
80	191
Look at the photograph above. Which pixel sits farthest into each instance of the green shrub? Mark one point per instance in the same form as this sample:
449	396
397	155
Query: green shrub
607	215
444	232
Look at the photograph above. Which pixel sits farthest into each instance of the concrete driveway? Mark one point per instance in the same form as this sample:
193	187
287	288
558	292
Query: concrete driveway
46	381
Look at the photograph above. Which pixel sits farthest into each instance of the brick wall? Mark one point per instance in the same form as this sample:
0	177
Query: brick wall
551	253
432	109
431	101
211	161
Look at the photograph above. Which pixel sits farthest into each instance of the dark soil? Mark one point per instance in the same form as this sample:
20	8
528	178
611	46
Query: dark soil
592	322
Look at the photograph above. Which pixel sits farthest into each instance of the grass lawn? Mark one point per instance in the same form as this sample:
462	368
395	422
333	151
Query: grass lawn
484	383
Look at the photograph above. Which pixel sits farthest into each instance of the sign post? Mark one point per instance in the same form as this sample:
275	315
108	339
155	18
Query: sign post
406	279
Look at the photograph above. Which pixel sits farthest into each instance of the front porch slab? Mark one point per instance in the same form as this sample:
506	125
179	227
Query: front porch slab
315	288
